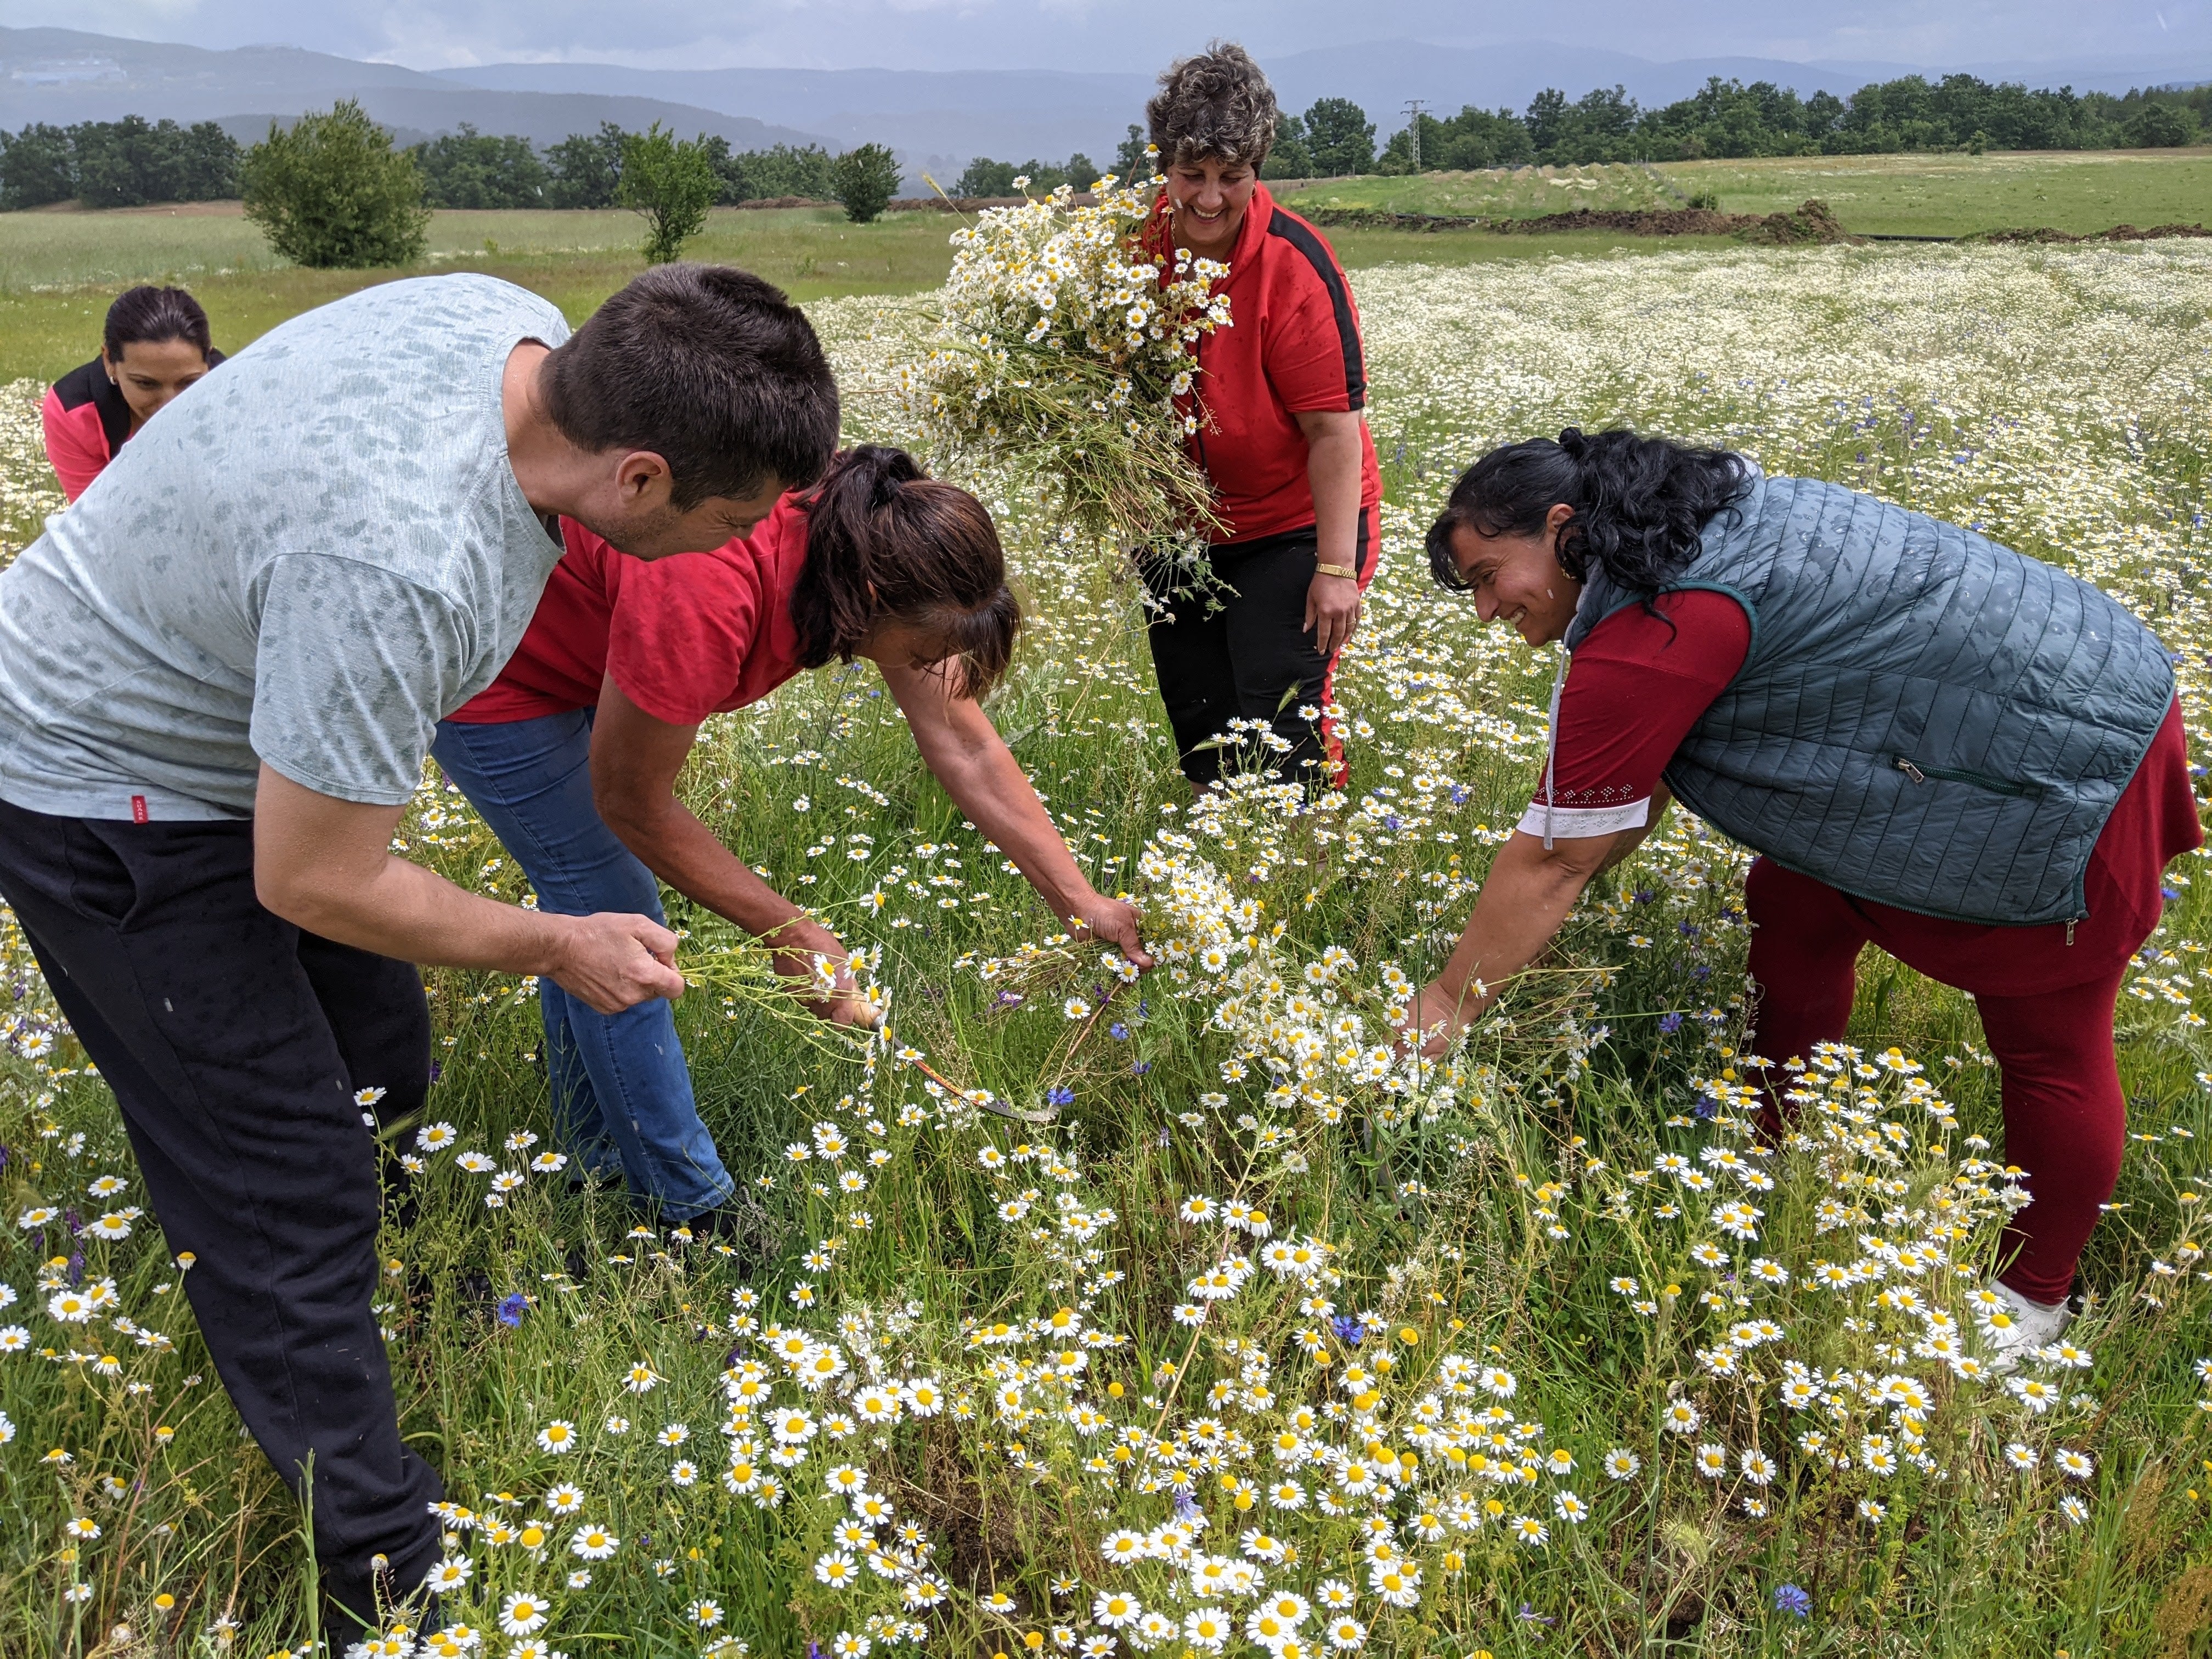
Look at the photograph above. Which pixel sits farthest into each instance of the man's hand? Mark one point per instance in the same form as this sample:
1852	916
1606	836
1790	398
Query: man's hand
327	865
804	952
1332	613
1116	922
612	961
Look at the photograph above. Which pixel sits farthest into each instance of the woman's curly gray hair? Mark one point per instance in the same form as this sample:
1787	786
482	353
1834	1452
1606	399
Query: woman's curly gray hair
1217	105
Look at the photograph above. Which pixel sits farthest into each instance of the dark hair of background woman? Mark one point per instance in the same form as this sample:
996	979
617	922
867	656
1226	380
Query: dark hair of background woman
883	540
151	315
1640	504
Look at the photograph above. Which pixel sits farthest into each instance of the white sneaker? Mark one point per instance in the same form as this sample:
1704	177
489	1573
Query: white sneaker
2013	1326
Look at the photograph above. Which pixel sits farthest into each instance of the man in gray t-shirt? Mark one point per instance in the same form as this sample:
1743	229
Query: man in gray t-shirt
220	671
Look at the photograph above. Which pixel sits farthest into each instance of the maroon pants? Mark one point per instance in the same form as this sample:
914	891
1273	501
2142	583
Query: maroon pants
2065	1118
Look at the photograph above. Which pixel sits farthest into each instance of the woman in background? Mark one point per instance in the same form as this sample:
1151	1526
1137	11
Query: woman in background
1282	439
572	756
155	345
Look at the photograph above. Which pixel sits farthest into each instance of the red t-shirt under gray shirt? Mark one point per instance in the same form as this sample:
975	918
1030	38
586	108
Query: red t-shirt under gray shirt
682	637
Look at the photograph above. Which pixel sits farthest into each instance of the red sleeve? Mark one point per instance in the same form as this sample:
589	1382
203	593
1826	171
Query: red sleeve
1634	690
681	629
75	445
1309	334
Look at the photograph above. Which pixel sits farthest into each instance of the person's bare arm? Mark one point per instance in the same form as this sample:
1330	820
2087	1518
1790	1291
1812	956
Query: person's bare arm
1333	455
960	745
327	865
635	758
1525	898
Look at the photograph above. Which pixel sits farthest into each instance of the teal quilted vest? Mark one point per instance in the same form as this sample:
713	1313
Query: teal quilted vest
1925	719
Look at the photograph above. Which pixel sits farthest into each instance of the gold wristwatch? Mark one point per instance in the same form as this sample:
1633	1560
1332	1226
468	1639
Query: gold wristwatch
1343	570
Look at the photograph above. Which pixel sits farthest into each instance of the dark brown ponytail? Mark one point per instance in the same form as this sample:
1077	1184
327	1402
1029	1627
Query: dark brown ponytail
885	541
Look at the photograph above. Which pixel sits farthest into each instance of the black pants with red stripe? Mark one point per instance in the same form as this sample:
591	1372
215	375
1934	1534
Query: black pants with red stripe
234	1043
1253	659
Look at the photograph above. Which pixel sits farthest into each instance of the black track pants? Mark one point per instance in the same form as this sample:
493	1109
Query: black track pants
235	1043
1253	659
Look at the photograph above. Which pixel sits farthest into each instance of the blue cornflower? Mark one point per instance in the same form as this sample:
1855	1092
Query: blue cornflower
510	1309
1391	821
1141	1067
1459	794
1670	1024
1118	1031
1060	1095
1790	1599
1348	1329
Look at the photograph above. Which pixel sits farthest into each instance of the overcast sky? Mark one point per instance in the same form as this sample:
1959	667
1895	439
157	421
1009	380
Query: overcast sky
1137	34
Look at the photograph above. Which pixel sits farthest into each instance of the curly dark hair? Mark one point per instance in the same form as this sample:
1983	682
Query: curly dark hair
1215	106
1640	504
886	540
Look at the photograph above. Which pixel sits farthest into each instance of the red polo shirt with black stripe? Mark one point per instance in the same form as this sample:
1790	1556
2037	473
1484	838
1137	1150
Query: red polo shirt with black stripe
1292	347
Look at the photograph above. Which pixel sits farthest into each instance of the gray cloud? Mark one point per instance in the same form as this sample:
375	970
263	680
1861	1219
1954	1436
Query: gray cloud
1141	34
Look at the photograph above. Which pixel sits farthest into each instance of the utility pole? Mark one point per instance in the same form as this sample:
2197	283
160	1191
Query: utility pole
1413	113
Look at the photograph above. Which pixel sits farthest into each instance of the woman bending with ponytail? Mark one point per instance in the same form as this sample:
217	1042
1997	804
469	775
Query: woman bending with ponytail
572	756
1936	744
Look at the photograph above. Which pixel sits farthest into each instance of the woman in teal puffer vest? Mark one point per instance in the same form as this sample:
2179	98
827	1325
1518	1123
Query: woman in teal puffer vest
1936	744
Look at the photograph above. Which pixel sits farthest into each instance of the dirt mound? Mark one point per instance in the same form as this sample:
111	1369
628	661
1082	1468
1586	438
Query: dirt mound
1813	223
2117	234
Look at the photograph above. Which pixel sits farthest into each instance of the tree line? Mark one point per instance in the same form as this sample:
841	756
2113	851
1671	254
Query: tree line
112	164
1727	119
133	162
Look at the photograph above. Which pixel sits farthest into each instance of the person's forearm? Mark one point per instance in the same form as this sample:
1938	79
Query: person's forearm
1332	466
1521	906
670	840
987	784
402	910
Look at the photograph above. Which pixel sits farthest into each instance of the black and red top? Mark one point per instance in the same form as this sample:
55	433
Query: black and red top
1292	347
87	421
1640	681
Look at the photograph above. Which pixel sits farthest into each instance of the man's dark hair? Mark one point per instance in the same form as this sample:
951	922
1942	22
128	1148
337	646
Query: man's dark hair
709	367
151	316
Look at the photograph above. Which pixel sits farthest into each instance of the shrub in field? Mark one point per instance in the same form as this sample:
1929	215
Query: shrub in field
671	183
863	181
333	192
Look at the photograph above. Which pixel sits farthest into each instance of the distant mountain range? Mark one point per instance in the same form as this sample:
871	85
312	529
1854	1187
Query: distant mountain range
62	75
935	119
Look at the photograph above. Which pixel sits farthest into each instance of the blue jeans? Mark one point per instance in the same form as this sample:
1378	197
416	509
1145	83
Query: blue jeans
621	1095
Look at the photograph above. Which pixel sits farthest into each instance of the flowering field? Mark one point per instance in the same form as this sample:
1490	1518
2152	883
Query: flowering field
1171	1317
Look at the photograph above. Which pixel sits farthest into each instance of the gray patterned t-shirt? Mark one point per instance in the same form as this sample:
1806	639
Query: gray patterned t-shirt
309	559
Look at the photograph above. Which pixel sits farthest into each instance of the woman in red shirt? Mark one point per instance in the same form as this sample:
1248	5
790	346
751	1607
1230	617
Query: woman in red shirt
572	755
1281	435
155	345
1533	528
